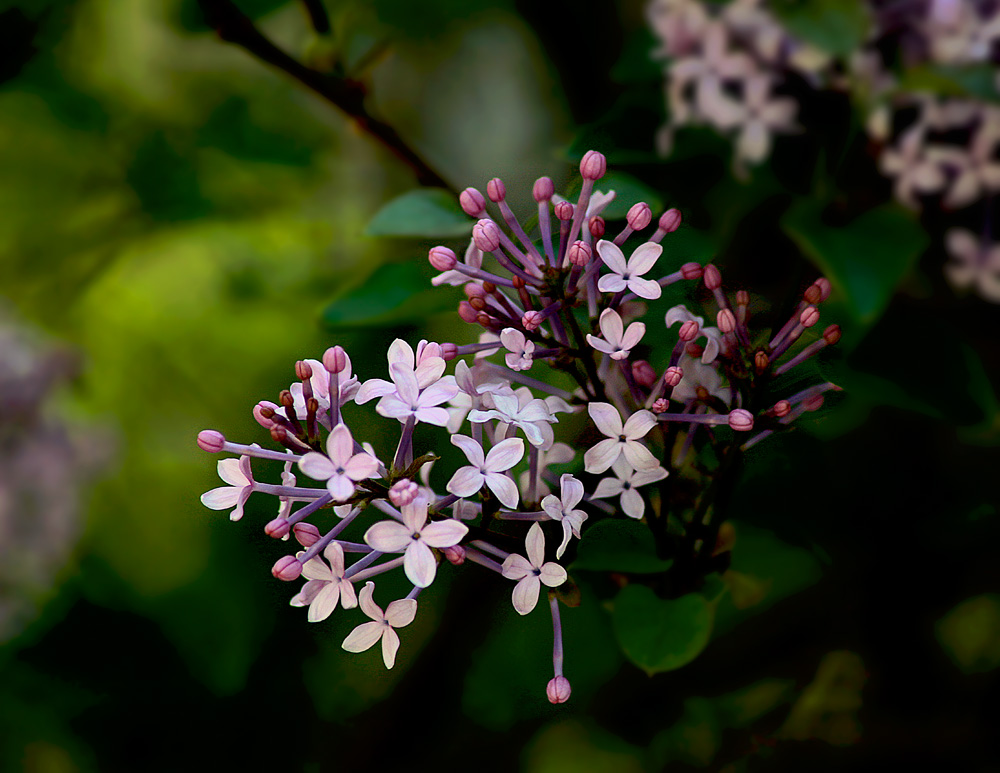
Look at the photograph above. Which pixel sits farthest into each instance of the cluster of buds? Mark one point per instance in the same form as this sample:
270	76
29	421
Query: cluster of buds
566	296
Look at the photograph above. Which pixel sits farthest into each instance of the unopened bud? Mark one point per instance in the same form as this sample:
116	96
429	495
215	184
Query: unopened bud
278	528
761	361
286	399
474	290
532	319
211	440
496	190
593	166
660	405
673	376
692	271
426	350
824	287
713	279
688	331
312	405
478	303
563	210
486	235
484	319
558	689
809	316
466	312
303	370
643	373
472	201
741	420
335	359
279	434
597	226
306	534
449	352
579	253
403	492
263	412
813	403
670	220
781	408
639	216
454	555
543	189
726	320
694	350
832	334
287	568
742	298
812	294
442	258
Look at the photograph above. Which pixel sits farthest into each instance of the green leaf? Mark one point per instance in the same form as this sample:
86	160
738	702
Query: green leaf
628	191
619	546
975	81
970	634
394	294
660	634
423	213
865	259
693	740
838	27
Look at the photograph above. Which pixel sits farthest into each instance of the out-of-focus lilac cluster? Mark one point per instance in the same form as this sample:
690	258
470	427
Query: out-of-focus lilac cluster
558	312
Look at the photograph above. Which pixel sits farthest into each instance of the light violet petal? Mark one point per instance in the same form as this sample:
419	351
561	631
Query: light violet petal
644	257
637	455
348	598
534	544
429	371
340	487
231	472
679	314
401	613
221	498
645	477
465	482
406	383
305	596
552	507
316	569
607	487
390	646
444	534
340	445
504	488
600	344
376	387
415	515
316	466
552	574
611	283
638	424
645	288
473	451
505	455
513	340
436	416
567	534
438	393
602	455
634	334
401	353
571	491
419	564
364	637
361	466
612	256
388	537
516	567
607	419
368	605
525	594
632	503
611	326
324	603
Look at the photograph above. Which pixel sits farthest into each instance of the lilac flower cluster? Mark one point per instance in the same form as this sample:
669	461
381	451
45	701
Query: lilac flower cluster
568	297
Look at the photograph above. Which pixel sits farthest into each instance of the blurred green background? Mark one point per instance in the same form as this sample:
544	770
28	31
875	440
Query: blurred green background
179	223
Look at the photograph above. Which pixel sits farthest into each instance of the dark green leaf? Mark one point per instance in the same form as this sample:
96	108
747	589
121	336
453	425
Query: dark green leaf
977	81
628	191
395	293
838	27
619	546
423	213
659	634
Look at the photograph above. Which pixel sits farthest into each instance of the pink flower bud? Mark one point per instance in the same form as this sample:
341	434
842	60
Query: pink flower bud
761	361
832	334
426	350
726	321
455	554
660	405
558	689
564	210
812	294
639	216
643	373
486	235
287	568
713	279
211	440
579	253
813	403
692	271
593	166
532	319
781	408
496	190
303	370
543	190
466	312
472	202
670	220
742	298
673	376
474	290
688	331
442	258
741	420
306	534
597	226
278	528
824	287
809	316
403	492
335	359
449	352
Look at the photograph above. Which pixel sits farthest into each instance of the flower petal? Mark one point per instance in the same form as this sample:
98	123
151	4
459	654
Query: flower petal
390	646
525	594
552	574
570	490
638	424
368	605
444	534
473	451
339	445
634	334
504	488
348	599
419	564
644	257
364	636
632	503
645	288
316	466
324	603
534	543
340	487
607	487
607	419
602	455
515	567
611	326
316	569
361	466
231	472
388	537
611	283
637	455
465	482
400	613
644	477
505	455
221	498
612	256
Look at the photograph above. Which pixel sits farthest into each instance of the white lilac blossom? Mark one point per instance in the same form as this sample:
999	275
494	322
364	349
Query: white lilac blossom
564	509
759	116
528	416
617	341
341	468
427	369
621	441
398	614
519	349
408	400
532	572
487	470
973	263
416	537
628	275
625	483
235	472
326	585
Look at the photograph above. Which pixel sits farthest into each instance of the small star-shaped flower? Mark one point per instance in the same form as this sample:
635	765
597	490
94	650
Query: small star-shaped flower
531	573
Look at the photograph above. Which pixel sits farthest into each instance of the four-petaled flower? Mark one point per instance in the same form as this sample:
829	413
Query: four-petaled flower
562	508
326	585
629	275
620	440
409	400
398	614
625	484
615	342
341	467
519	349
416	537
235	472
973	263
529	417
531	573
487	471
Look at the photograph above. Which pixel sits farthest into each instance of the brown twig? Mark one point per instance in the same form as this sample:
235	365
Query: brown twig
233	26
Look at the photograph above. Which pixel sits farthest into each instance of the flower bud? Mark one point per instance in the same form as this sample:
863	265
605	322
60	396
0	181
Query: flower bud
742	298
211	440
278	528
478	303
673	376
579	253
832	334
660	405
639	216
694	350
306	534
486	235
558	689
532	319
474	290
593	166
726	321
335	359
596	226
809	316
824	287
713	279
761	361
466	312
643	373
472	201
543	190
692	271
303	370
812	294
455	555
287	568
496	190
741	420
442	258
781	408
670	220
449	352
403	492
688	331
263	412
564	210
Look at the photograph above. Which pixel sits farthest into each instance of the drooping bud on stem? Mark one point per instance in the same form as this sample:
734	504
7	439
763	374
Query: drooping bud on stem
306	534
287	568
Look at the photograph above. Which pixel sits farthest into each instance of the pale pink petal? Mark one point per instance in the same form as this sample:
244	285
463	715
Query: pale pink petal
611	283
611	326
438	393
645	288
429	371
364	636
316	466
638	424
525	594
309	591
348	599
340	487
607	419
400	353
553	507
339	445
230	472
534	544
390	646
376	387
316	569
516	567
504	488
513	340
570	489
754	141
552	574
644	257
602	455
962	244
444	534
964	190
612	256
221	498
361	466
634	334
567	534
400	613
465	482
368	605
419	564
473	451
632	503
680	314
436	416
601	345
388	537
607	487
406	383
645	477
324	603
505	455
637	455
